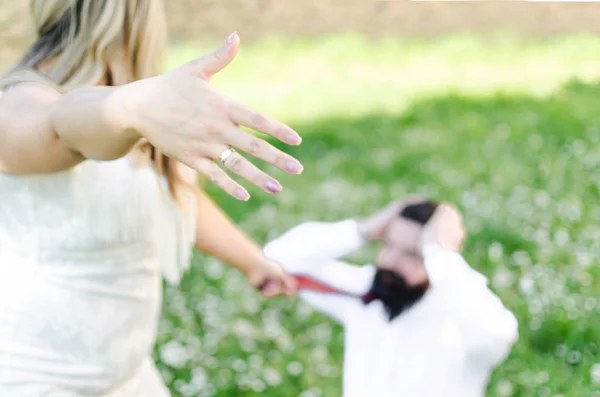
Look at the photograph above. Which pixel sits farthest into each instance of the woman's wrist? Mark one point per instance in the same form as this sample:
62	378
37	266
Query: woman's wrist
123	107
255	263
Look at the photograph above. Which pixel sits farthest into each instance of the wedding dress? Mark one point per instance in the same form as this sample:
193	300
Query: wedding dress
82	256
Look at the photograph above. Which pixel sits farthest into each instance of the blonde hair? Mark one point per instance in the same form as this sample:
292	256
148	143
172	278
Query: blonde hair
83	42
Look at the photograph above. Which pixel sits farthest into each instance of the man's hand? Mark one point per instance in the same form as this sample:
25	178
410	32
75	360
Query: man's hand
270	279
445	228
374	227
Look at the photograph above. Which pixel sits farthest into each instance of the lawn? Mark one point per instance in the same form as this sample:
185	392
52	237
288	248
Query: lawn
507	128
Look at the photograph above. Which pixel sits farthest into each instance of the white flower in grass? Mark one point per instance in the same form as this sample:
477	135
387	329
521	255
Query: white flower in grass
214	269
243	327
256	362
495	251
542	199
595	374
590	303
527	285
521	259
285	343
322	333
578	147
574	357
257	385
174	354
536	306
502	278
569	303
239	365
223	377
535	142
250	304
326	370
561	237
384	157
248	345
504	388
320	353
210	361
199	378
274	356
542	377
584	258
244	382
535	324
569	210
311	393
295	368
544	392
272	377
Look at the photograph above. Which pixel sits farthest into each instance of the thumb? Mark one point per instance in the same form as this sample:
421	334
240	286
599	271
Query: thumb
210	64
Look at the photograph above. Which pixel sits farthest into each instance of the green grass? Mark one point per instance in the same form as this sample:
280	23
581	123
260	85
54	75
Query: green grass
509	129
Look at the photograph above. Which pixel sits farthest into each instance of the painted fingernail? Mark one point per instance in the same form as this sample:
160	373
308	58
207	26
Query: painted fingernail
230	38
293	139
242	194
293	166
273	186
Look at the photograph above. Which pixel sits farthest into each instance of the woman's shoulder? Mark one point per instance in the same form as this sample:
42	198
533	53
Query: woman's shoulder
30	92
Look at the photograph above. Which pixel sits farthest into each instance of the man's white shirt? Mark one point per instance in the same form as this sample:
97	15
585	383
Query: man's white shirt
446	345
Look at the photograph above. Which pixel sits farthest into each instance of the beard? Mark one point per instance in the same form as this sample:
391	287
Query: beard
394	292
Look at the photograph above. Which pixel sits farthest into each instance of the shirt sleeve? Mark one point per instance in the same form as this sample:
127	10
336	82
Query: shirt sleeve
312	249
489	327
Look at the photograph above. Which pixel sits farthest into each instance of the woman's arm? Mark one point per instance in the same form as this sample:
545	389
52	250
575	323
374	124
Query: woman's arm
43	131
178	112
218	236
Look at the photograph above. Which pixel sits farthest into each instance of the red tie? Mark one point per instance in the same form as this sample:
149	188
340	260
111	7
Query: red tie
305	282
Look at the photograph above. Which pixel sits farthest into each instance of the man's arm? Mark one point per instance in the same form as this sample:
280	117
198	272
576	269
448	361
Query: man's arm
489	327
312	249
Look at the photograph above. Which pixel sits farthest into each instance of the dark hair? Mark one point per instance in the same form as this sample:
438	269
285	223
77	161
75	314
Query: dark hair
394	292
420	213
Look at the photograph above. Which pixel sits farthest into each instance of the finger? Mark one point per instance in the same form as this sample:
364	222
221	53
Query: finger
263	284
244	168
289	284
243	115
209	64
262	150
220	178
272	288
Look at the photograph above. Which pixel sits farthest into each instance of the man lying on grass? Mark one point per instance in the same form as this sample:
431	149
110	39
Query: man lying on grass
421	322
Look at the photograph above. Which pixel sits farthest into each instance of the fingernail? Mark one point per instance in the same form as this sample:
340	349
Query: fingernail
293	139
242	194
293	166
273	186
230	38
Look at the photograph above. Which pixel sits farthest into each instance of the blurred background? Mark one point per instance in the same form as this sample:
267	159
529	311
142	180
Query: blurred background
495	106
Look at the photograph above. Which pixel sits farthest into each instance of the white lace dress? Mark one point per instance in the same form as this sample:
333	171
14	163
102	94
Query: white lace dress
81	255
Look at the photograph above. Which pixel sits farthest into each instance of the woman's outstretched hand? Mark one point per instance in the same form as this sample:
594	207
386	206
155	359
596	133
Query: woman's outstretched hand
188	120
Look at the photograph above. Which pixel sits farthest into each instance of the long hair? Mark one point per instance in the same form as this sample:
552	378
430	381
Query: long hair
82	43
